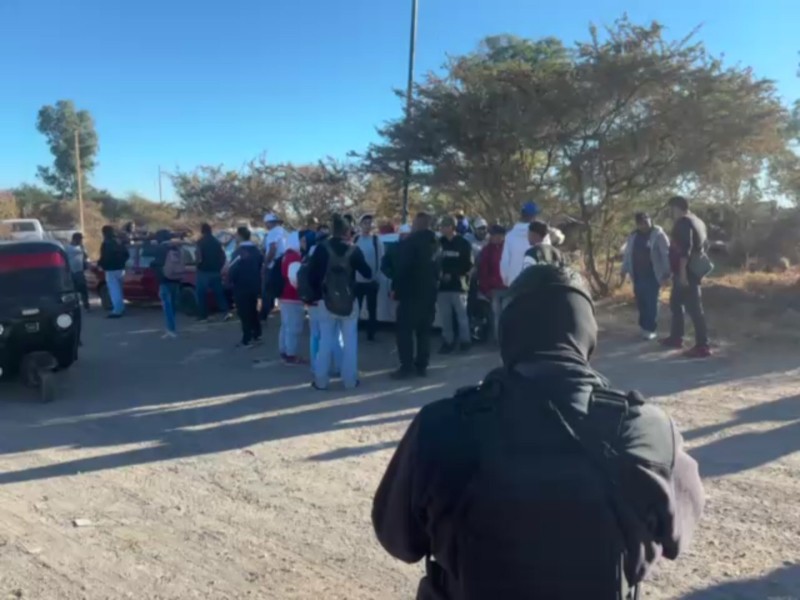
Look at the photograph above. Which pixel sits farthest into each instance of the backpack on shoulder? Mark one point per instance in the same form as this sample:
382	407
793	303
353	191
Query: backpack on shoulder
546	254
174	266
539	517
337	290
305	291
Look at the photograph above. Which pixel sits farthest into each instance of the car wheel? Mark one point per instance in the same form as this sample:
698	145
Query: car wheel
187	301
105	298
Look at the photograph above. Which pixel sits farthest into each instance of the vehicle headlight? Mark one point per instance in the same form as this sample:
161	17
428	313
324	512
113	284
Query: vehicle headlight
64	321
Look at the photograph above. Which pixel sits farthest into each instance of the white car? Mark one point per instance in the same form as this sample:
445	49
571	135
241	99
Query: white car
25	229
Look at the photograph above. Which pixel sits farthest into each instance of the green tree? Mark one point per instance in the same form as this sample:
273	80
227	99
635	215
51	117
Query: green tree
627	115
58	123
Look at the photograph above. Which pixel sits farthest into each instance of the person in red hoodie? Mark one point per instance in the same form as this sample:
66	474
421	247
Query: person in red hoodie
490	281
292	310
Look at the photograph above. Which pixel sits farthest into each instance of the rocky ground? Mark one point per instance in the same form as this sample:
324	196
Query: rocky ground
176	469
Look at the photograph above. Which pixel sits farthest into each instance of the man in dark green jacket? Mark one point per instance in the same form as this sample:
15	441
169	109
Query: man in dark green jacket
453	287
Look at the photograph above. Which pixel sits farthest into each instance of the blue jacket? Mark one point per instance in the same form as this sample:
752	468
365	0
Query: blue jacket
244	274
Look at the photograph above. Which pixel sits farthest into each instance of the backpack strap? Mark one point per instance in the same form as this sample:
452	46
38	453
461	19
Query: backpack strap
597	434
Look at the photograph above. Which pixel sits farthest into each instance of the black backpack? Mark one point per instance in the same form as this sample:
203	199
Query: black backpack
305	291
546	254
337	287
539	516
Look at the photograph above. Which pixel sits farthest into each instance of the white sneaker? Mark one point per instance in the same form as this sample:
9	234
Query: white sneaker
649	335
169	335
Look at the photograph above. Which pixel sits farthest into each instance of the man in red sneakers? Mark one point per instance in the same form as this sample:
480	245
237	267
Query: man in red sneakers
690	264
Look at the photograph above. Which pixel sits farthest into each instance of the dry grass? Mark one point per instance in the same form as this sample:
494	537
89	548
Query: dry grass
738	305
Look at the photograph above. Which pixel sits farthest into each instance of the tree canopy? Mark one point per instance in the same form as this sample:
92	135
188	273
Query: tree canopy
58	123
590	130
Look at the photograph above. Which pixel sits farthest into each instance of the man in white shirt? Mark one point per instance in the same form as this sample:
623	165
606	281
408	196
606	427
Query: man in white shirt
274	248
517	244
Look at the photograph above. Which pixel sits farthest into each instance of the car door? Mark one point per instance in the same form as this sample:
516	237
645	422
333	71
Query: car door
147	279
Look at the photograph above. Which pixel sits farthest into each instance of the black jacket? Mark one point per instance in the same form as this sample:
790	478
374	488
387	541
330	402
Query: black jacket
414	268
211	256
456	264
244	274
415	508
113	255
318	263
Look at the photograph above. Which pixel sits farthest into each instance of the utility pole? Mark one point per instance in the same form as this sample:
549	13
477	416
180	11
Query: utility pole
79	177
409	95
160	199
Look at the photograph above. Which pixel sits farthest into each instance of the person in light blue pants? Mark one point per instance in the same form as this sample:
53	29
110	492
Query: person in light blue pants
168	292
314	339
292	316
331	327
114	283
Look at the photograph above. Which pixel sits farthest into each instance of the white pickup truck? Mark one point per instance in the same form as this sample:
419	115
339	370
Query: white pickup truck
24	229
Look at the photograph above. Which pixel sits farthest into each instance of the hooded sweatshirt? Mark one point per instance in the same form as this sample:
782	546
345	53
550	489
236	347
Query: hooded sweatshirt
245	270
292	255
547	343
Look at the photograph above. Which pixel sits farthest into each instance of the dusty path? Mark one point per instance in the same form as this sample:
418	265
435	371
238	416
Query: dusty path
203	475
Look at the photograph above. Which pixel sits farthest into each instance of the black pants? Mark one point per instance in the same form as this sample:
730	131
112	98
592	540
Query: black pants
414	320
369	290
247	309
79	281
688	298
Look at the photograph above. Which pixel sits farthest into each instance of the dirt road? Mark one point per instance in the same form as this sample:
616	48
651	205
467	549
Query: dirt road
183	469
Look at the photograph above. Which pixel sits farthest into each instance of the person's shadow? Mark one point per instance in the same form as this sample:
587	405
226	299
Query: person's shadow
750	449
782	584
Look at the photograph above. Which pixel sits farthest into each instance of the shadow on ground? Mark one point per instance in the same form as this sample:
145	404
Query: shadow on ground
782	584
197	395
750	449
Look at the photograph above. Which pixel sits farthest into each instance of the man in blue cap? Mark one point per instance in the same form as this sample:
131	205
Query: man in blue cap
517	244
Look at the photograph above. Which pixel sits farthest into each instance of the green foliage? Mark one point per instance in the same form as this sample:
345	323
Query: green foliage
624	117
8	206
294	191
58	123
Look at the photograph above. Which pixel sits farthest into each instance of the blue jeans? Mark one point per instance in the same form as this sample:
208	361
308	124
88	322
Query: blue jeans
114	283
314	338
646	290
206	280
168	292
331	327
292	314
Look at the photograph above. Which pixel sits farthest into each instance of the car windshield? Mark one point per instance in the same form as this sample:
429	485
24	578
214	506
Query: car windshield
23	227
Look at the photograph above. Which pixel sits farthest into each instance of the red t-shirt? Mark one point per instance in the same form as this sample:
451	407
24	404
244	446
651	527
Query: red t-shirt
289	293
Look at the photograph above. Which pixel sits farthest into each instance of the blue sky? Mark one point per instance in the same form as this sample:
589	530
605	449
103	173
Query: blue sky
179	83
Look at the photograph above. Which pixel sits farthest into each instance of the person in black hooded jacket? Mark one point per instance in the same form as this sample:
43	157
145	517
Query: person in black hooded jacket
541	482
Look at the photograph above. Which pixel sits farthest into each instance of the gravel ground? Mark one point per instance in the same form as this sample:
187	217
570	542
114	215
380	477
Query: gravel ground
176	469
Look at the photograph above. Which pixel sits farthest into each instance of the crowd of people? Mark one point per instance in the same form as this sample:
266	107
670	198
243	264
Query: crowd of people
330	271
542	481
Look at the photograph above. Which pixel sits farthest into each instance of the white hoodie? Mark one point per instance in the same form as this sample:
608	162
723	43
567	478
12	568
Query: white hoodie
515	247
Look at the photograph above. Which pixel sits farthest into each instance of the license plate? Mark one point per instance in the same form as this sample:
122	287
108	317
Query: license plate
32	327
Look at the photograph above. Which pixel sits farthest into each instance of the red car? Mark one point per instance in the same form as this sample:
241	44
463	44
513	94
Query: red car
141	285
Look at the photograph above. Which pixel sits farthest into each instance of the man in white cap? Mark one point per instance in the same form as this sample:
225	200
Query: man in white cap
274	248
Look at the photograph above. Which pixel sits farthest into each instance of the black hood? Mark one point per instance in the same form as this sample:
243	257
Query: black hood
549	317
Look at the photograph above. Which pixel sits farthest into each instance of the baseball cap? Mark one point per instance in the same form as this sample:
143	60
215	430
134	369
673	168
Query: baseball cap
480	222
365	216
447	222
271	218
530	209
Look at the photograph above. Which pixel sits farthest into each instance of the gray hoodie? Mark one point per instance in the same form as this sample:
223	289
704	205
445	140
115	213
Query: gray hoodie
659	254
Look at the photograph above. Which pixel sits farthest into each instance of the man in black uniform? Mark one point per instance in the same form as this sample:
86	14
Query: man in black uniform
415	277
541	482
